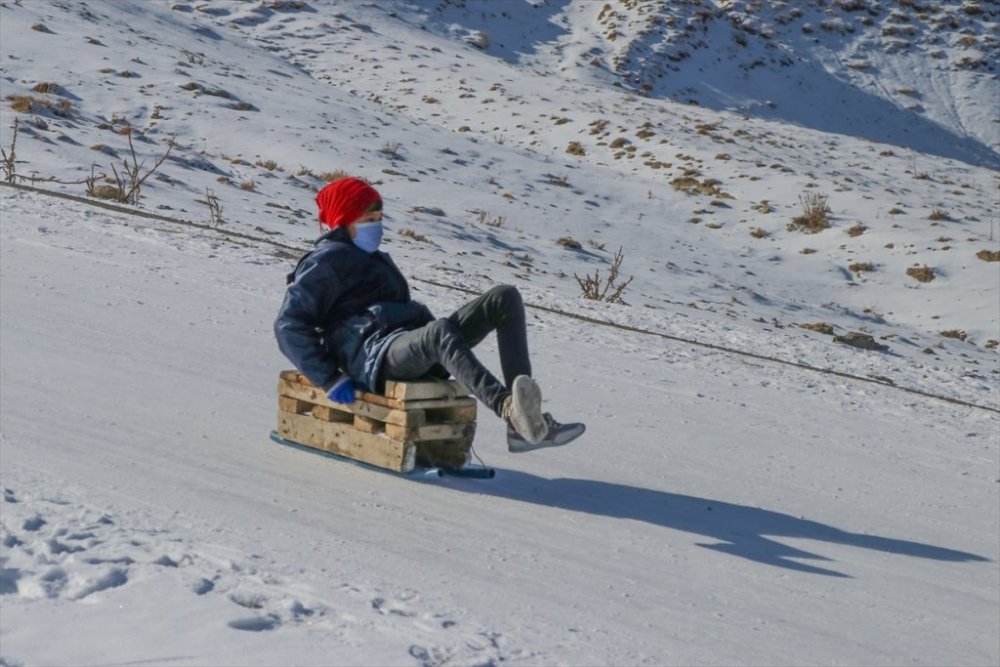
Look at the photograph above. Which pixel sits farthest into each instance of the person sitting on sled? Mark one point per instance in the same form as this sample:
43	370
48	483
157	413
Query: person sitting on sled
347	321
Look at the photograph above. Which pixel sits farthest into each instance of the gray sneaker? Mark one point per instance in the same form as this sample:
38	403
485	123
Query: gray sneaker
523	410
558	435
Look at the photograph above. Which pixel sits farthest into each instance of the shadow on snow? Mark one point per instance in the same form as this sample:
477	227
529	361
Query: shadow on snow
739	530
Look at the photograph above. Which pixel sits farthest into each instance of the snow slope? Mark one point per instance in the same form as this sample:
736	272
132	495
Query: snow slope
722	509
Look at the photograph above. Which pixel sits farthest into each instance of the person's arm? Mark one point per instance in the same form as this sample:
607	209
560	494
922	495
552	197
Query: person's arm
298	327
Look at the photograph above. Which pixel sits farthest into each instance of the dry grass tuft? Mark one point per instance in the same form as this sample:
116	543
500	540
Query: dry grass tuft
491	221
575	148
62	108
861	267
815	214
955	333
758	233
924	274
111	192
821	327
989	255
692	186
857	230
335	175
939	214
409	233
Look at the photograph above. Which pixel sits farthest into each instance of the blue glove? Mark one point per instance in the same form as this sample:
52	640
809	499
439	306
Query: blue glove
342	391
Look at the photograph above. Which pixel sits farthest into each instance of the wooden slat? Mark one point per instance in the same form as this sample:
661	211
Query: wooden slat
366	425
388	415
330	414
288	386
384	401
394	390
344	440
293	405
431	432
416	391
375	399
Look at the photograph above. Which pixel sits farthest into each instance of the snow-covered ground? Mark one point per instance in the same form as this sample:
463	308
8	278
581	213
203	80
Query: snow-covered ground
722	509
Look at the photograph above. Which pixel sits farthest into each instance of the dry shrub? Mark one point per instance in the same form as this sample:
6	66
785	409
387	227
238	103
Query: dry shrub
478	39
409	233
249	186
270	165
575	148
111	192
821	327
335	175
22	103
989	255
807	251
47	88
924	274
955	333
857	230
491	221
758	233
692	186
938	214
611	290
815	214
859	267
36	105
992	344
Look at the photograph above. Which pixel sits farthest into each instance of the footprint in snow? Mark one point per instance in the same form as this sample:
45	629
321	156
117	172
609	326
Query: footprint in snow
255	623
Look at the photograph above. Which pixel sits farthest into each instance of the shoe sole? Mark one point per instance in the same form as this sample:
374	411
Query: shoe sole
565	437
526	399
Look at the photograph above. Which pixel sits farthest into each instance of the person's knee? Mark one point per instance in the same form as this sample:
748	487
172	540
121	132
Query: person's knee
506	294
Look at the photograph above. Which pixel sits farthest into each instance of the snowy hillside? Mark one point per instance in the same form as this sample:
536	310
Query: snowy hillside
749	491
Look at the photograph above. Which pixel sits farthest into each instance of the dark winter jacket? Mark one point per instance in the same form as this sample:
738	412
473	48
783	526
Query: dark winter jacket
342	309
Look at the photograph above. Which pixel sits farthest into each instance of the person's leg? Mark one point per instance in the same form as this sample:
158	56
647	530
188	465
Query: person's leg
501	309
417	353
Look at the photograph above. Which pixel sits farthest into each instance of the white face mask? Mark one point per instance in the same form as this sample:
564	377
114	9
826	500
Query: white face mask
368	235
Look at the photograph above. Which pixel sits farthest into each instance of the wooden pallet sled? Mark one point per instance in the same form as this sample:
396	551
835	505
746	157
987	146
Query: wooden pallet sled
413	424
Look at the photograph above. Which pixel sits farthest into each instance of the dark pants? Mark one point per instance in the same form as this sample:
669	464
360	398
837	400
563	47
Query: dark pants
444	347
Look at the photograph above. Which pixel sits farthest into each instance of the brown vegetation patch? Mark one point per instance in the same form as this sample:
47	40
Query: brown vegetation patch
924	274
815	214
821	327
989	255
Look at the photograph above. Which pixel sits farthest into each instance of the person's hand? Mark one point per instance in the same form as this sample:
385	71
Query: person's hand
342	391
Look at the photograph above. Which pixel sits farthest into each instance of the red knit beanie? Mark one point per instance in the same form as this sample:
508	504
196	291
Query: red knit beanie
344	201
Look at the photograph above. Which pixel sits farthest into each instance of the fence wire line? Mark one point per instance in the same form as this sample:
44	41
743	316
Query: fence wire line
545	309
